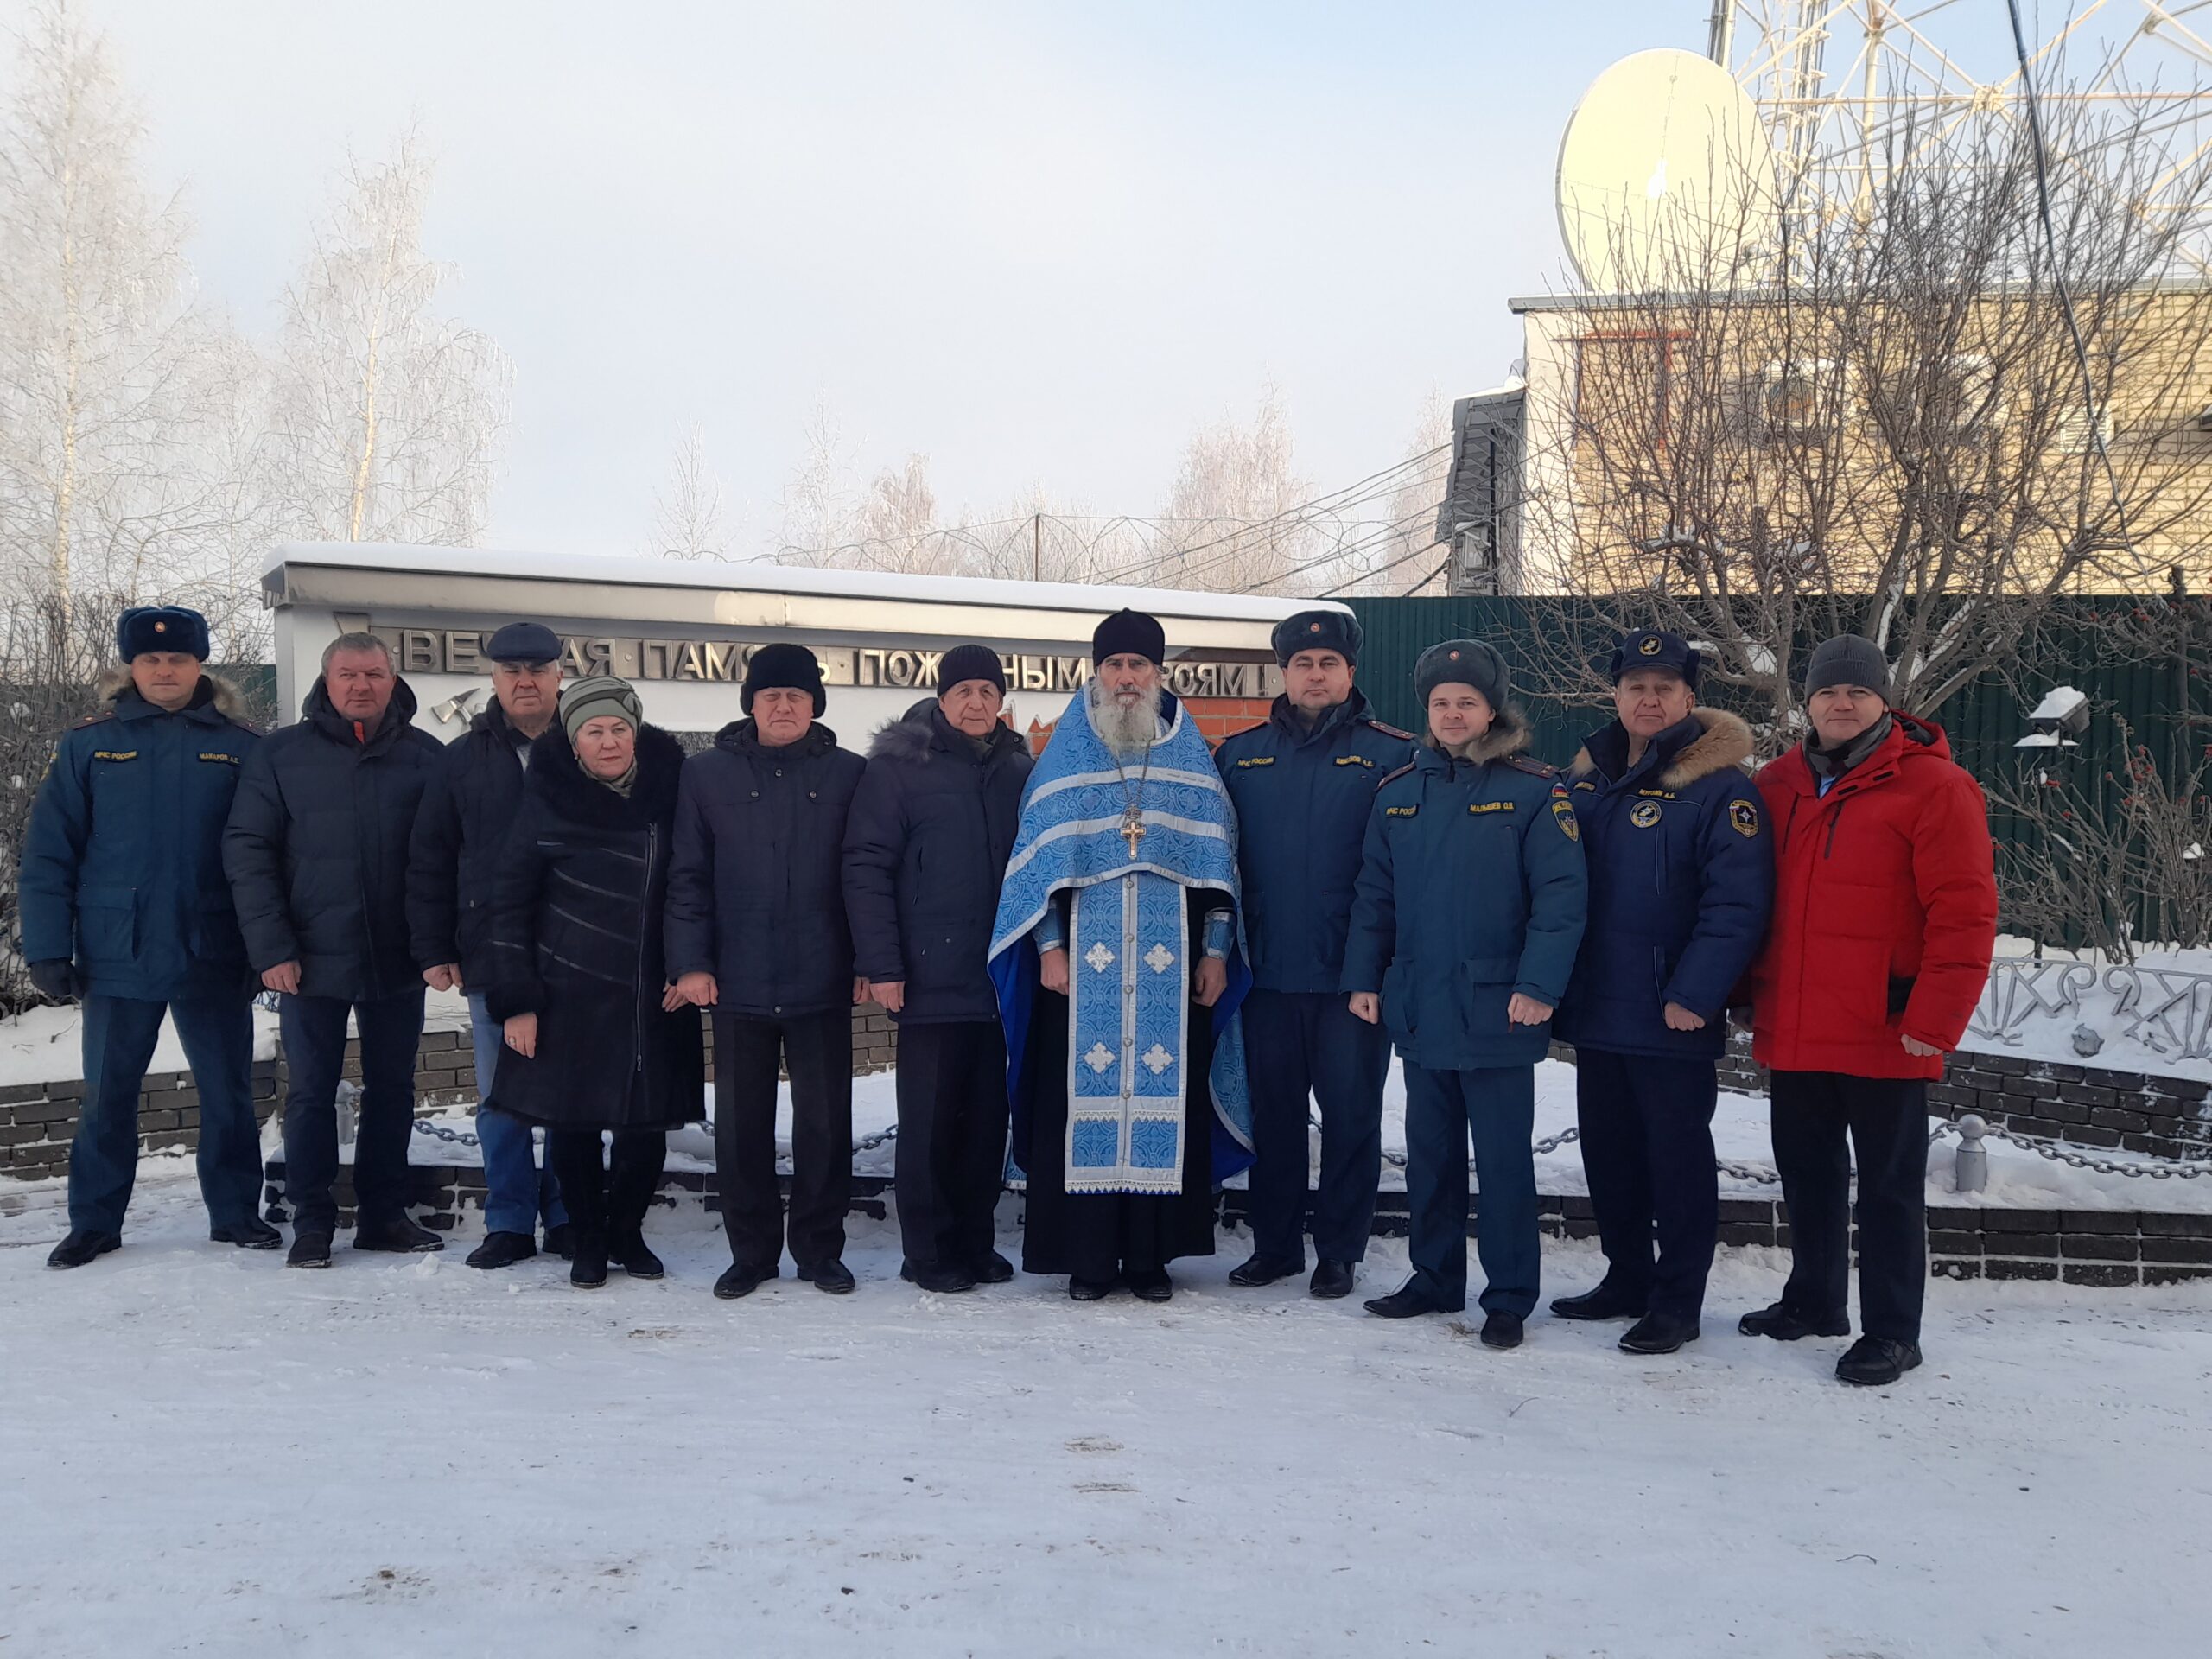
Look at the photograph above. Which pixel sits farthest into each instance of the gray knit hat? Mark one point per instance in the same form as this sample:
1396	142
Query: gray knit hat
599	694
1464	661
1847	659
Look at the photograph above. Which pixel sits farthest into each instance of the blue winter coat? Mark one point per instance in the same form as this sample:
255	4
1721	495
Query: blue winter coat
1681	880
926	842
123	862
1472	888
756	891
1302	799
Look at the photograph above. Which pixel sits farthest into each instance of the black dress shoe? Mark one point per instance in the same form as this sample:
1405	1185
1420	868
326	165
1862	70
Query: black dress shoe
503	1250
1658	1333
80	1247
397	1236
1262	1270
1785	1324
1090	1290
628	1252
832	1276
588	1267
993	1270
1502	1331
943	1281
561	1241
1872	1362
1331	1280
1407	1301
739	1280
252	1234
1604	1303
1151	1286
309	1250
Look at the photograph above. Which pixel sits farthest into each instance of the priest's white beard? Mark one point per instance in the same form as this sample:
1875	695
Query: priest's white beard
1127	729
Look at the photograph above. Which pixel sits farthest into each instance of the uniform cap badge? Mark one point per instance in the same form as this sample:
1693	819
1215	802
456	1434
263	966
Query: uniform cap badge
1650	647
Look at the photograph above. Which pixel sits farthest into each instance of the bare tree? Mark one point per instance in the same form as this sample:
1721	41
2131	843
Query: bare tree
1795	424
1230	520
111	381
387	415
688	516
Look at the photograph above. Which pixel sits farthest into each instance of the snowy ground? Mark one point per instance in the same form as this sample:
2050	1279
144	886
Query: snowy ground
206	1454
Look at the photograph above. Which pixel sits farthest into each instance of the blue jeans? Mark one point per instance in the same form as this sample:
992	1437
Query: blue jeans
120	1032
1497	1106
313	1033
516	1191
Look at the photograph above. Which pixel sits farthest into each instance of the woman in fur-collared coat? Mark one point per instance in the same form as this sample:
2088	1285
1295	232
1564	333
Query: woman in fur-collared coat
1681	880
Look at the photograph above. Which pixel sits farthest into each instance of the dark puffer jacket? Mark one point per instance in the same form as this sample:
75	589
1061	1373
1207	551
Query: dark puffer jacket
756	896
576	939
468	806
926	844
123	862
1681	878
316	848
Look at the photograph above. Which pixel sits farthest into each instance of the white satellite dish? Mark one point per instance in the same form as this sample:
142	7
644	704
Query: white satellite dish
1666	176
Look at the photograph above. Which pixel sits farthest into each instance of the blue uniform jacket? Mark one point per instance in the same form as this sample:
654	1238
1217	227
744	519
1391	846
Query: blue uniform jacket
1472	888
1681	879
1302	799
123	862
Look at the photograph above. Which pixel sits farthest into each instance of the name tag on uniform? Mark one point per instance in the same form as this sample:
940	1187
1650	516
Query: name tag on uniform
214	754
1354	760
1255	760
1490	806
1399	811
115	754
1656	794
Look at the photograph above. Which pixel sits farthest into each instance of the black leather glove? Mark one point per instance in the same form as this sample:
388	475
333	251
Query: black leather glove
56	979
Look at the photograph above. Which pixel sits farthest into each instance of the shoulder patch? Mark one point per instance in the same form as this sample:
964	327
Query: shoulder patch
115	754
1564	812
1534	767
1385	728
1743	817
1390	777
1586	783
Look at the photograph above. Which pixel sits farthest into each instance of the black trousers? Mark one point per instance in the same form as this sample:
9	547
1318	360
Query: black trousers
951	1148
1887	1122
312	1029
606	1199
1298	1044
816	1050
1647	1149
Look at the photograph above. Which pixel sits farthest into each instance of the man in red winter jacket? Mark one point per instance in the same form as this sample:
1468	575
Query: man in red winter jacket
1884	917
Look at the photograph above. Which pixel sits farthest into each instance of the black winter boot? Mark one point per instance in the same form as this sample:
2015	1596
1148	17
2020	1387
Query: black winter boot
1785	1324
1873	1361
309	1250
943	1281
737	1280
629	1252
1605	1302
1658	1334
252	1234
81	1247
1331	1280
503	1250
587	1268
993	1270
396	1236
1502	1331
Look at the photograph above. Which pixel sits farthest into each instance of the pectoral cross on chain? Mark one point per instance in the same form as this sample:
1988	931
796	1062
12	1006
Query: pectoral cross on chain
1131	829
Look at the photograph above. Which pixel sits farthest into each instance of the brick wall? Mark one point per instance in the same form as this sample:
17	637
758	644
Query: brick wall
38	1119
1217	718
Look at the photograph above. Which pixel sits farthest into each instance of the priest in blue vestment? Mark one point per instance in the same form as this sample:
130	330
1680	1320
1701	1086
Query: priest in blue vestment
1118	959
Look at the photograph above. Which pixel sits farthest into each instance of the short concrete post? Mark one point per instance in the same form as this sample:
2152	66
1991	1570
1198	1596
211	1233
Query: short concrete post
1971	1168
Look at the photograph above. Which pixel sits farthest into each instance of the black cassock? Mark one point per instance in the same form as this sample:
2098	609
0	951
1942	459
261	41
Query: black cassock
1097	1236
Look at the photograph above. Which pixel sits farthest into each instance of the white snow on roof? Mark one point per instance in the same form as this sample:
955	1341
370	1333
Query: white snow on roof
2058	702
2045	741
762	577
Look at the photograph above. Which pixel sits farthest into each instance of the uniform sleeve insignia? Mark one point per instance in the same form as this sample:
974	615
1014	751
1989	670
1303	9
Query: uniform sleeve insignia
1644	814
1587	783
1563	811
1743	817
1399	811
115	754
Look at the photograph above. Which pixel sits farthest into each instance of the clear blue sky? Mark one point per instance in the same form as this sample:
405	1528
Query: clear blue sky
1038	243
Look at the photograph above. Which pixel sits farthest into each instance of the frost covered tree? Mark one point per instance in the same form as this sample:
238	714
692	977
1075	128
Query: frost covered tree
386	414
1232	519
687	514
115	387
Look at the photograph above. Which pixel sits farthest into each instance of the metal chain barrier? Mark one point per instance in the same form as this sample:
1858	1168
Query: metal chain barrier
464	1138
1971	1129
